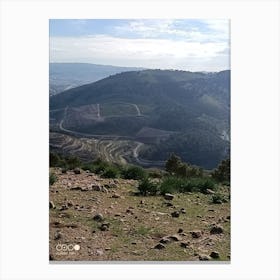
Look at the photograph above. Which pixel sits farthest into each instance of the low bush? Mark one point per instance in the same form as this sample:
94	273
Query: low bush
171	185
134	172
52	178
219	198
177	184
110	172
146	187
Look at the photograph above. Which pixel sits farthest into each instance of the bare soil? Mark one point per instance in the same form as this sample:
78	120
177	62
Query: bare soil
134	225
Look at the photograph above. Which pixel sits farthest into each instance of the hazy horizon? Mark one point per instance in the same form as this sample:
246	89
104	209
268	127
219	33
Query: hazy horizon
178	44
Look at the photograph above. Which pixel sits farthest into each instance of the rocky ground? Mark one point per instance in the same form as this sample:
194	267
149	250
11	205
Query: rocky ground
96	219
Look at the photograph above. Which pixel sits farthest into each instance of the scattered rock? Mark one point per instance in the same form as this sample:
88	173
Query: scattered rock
129	211
204	258
76	188
105	226
183	211
180	230
168	204
217	229
111	185
175	214
169	196
165	240
159	246
175	237
77	171
215	255
185	244
57	235
69	203
209	191
98	217
196	234
99	252
116	195
63	207
51	205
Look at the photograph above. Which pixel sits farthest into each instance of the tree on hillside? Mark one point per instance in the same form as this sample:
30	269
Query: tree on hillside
173	163
222	172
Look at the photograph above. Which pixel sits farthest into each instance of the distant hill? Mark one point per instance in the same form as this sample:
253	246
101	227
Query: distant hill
187	113
64	76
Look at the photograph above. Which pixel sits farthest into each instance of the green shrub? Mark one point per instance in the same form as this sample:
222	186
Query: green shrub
202	184
73	162
134	172
146	187
171	184
110	172
52	179
217	199
88	166
176	184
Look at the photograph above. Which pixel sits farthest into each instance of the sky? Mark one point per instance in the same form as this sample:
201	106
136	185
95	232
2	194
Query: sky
183	44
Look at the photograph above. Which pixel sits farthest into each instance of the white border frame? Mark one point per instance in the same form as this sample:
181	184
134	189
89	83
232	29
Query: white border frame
254	130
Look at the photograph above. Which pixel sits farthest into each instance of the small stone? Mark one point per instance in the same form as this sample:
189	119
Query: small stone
176	237
175	214
204	258
116	195
77	171
63	170
196	234
185	244
69	203
209	191
76	188
215	255
57	235
51	205
165	240
183	211
217	229
168	196
159	246
180	230
142	202
104	227
98	217
168	204
63	207
99	252
96	187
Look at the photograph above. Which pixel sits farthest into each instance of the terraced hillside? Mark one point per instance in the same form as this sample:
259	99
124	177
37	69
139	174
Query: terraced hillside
159	112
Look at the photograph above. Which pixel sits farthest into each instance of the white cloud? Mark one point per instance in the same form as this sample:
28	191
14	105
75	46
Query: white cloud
146	52
210	30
